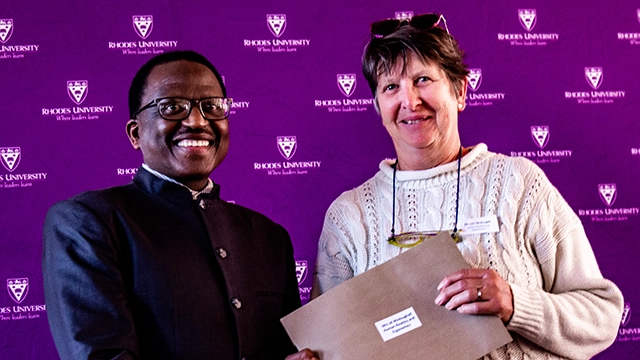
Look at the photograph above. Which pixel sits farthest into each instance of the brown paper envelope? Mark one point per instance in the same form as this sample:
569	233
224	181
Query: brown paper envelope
340	323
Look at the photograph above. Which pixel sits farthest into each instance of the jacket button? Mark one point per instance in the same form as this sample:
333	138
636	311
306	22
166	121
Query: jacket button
221	252
236	303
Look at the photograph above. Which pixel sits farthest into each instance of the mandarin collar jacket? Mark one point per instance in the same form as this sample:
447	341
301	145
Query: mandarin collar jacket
143	271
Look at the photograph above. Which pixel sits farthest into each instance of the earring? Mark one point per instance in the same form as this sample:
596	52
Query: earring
459	106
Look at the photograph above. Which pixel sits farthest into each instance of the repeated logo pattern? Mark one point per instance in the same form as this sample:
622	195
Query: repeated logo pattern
607	193
475	79
143	25
527	18
626	314
287	146
347	83
6	29
78	90
277	24
403	15
593	76
301	270
10	157
540	135
18	289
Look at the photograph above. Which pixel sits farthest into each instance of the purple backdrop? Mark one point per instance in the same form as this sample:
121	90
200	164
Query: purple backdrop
557	82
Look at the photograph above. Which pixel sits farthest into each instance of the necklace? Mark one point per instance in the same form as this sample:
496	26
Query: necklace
414	238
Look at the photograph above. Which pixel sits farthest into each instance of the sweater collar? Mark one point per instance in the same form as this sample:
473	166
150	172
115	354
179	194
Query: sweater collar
447	171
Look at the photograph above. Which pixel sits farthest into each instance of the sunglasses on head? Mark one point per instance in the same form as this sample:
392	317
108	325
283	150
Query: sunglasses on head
382	28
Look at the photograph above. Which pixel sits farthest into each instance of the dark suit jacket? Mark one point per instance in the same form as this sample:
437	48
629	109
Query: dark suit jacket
143	271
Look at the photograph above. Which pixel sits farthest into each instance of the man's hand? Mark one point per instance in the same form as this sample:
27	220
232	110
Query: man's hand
476	291
304	354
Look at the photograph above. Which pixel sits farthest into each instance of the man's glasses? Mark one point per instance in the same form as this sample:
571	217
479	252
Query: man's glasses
382	28
178	109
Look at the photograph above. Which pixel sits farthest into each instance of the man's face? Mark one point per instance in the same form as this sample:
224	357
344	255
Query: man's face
188	150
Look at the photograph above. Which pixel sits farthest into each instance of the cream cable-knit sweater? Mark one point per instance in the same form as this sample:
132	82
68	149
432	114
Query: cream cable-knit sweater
561	301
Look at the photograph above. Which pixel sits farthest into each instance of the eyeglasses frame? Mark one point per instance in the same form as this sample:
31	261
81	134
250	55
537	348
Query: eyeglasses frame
156	103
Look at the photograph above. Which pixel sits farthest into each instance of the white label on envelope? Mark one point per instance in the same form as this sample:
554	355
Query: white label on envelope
398	324
485	224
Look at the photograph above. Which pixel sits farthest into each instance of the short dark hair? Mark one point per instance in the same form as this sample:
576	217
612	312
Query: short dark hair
434	45
139	82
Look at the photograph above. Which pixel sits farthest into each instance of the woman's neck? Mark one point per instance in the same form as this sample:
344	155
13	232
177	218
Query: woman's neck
430	159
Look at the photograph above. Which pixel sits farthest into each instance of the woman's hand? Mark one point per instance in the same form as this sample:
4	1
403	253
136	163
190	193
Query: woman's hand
476	291
304	354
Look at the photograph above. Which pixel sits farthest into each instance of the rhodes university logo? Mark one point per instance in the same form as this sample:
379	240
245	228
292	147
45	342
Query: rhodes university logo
403	15
277	23
626	312
287	146
6	29
607	193
78	90
10	157
347	83
474	98
527	18
143	24
540	135
593	76
475	79
18	289
301	270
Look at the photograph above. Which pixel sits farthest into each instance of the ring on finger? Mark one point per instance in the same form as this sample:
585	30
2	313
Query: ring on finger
479	294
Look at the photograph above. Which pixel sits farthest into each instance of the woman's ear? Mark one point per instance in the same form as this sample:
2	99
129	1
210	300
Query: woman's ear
462	94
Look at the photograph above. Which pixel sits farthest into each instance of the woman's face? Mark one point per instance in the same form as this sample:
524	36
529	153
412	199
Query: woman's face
419	108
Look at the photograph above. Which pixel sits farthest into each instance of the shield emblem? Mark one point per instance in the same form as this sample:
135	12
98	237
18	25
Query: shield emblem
6	29
607	193
540	135
301	270
18	289
474	78
10	157
404	15
594	76
527	18
277	23
347	83
143	24
626	314
287	146
78	90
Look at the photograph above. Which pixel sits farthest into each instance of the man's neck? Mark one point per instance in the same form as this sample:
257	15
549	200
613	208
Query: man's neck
194	193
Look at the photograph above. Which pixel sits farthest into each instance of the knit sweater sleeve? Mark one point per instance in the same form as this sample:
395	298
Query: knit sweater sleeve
577	312
343	226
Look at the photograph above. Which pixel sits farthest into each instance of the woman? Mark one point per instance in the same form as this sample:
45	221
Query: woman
535	268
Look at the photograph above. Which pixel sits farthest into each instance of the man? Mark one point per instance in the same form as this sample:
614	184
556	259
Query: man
162	268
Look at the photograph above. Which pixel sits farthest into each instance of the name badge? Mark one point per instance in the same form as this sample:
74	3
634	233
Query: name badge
481	225
398	324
